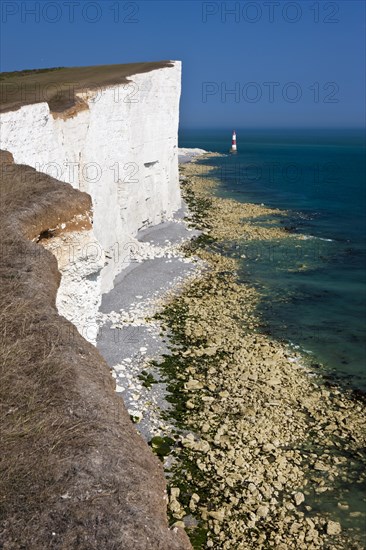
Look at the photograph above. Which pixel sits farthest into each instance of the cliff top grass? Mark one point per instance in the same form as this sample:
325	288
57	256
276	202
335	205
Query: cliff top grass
59	86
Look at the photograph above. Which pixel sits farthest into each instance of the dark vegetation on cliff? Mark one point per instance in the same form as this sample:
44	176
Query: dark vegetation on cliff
74	473
59	86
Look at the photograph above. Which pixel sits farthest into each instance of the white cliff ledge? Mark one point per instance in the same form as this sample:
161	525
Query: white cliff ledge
120	146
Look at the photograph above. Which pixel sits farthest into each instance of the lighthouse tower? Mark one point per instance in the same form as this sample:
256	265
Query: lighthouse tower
233	143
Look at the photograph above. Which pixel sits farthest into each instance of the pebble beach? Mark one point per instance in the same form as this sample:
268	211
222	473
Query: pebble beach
258	450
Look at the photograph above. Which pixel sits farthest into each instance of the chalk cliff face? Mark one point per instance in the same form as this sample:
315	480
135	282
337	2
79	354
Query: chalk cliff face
119	144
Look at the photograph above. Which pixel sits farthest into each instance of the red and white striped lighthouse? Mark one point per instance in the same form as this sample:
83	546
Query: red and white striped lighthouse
233	143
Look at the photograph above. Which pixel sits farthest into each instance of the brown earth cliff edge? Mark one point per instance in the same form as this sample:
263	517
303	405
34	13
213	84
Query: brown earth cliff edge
59	87
74	471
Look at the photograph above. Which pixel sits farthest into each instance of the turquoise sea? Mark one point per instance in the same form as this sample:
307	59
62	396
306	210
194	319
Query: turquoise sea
313	289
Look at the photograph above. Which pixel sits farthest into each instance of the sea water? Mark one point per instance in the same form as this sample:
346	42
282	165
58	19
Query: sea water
312	284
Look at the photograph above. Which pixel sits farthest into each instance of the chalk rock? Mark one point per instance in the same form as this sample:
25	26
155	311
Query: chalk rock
263	511
219	515
193	385
299	498
333	528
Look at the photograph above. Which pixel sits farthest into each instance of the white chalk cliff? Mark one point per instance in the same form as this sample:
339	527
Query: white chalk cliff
121	149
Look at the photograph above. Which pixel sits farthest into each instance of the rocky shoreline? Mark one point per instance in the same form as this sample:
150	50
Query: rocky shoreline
254	443
260	438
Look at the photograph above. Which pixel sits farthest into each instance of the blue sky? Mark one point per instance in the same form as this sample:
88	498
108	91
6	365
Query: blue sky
288	64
